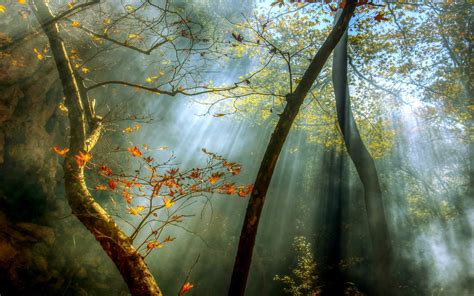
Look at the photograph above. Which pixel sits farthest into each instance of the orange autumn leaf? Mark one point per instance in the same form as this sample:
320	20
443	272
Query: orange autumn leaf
112	184
154	245
195	174
136	210
185	288
243	192
128	130
101	187
127	196
169	203
105	170
234	169
82	158
131	129
171	183
135	151
128	184
229	188
60	151
39	55
173	171
215	177
380	17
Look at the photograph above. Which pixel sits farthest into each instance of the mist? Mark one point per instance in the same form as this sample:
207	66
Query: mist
217	84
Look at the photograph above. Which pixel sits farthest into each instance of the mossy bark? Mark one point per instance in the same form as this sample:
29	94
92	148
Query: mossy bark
113	240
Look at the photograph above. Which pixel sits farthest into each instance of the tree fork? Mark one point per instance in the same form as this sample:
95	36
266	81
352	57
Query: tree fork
257	198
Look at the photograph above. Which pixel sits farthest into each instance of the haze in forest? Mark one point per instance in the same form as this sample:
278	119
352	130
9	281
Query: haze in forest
187	98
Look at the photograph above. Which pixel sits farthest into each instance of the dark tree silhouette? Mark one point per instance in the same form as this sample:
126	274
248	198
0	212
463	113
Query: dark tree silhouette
365	166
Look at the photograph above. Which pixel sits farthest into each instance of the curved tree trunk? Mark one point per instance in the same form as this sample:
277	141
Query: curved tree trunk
267	166
113	240
366	170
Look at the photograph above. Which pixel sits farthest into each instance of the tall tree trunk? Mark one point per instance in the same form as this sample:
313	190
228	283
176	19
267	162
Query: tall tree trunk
366	170
334	190
113	240
267	166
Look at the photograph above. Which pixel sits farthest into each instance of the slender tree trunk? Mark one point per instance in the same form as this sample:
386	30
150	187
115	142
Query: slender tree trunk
113	240
366	169
267	166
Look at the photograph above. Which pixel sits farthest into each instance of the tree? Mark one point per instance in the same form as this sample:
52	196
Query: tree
118	246
86	128
304	278
257	198
418	54
365	167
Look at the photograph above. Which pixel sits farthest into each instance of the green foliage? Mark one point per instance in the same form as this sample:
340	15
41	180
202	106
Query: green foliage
428	50
304	279
423	210
280	42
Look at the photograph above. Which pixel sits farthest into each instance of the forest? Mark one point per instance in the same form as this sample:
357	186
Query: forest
253	147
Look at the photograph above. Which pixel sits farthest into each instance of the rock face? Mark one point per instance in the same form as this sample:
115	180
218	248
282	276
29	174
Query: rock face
42	247
29	95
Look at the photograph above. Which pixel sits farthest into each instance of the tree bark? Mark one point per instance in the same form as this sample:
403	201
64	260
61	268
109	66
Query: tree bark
113	240
267	166
366	170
